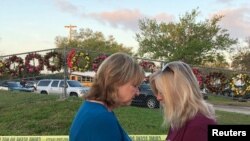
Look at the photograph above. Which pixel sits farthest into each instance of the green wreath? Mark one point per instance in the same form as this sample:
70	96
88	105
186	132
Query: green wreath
81	62
57	60
240	84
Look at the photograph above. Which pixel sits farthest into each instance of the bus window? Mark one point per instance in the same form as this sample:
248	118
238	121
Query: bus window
79	78
86	78
73	77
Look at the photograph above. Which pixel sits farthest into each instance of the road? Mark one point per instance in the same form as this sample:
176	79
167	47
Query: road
235	109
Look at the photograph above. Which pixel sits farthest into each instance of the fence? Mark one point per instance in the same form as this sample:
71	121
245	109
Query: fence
59	63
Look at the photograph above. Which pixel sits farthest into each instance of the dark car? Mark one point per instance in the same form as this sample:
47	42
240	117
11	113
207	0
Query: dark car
227	91
31	84
146	97
16	86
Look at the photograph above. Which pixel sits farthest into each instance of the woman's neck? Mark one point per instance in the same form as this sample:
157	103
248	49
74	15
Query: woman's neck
102	103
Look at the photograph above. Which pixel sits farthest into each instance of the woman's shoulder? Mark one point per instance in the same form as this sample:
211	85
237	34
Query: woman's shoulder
200	119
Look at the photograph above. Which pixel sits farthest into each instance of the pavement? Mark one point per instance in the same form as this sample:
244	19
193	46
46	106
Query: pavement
235	109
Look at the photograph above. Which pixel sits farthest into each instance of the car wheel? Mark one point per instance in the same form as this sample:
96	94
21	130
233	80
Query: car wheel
73	94
205	97
151	103
44	92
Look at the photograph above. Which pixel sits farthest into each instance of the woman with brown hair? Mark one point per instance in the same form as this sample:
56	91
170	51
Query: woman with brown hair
115	85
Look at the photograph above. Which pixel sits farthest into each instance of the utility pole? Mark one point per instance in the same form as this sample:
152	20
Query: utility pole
65	60
70	30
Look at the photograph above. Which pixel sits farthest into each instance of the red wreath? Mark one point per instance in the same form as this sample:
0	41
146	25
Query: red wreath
70	55
147	65
17	68
215	81
33	68
198	76
57	65
97	61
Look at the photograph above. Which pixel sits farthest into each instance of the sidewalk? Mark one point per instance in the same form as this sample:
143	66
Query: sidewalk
235	109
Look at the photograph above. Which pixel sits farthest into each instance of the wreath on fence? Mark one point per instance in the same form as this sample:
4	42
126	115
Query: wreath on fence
33	68
17	63
2	67
80	62
240	84
148	66
97	61
70	55
215	81
198	76
56	60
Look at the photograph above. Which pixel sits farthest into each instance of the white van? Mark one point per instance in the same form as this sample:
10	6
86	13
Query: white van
56	86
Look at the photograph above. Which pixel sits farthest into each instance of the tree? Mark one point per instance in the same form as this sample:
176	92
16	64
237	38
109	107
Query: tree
193	42
241	61
218	61
94	42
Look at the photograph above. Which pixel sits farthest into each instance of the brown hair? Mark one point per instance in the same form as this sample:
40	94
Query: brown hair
117	70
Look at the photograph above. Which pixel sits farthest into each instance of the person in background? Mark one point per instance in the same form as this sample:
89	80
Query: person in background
184	109
115	85
23	82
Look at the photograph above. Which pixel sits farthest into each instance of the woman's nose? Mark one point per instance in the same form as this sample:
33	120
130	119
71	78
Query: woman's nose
137	92
159	97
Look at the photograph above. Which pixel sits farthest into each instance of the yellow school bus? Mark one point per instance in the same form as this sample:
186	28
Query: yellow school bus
86	78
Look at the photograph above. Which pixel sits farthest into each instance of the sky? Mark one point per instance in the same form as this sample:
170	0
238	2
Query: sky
32	25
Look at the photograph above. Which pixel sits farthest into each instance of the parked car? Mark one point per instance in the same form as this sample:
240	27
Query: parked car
56	86
4	85
146	97
15	86
227	91
204	92
31	84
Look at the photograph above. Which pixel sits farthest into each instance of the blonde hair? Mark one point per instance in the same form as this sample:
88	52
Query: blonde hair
117	70
181	94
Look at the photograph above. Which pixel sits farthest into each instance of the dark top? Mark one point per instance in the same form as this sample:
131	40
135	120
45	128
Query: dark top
194	130
94	122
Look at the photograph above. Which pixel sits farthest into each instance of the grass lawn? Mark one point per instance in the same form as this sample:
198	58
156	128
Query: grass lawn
221	100
35	114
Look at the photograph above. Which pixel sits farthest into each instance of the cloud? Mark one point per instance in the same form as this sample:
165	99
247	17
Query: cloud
128	19
66	6
237	21
224	1
125	18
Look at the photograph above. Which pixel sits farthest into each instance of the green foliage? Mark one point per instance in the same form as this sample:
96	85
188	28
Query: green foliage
93	42
188	40
241	61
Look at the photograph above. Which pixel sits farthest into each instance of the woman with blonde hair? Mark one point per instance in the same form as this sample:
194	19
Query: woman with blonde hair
115	85
184	109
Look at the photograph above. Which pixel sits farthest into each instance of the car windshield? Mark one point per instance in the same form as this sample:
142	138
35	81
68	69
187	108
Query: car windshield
74	84
145	86
14	84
